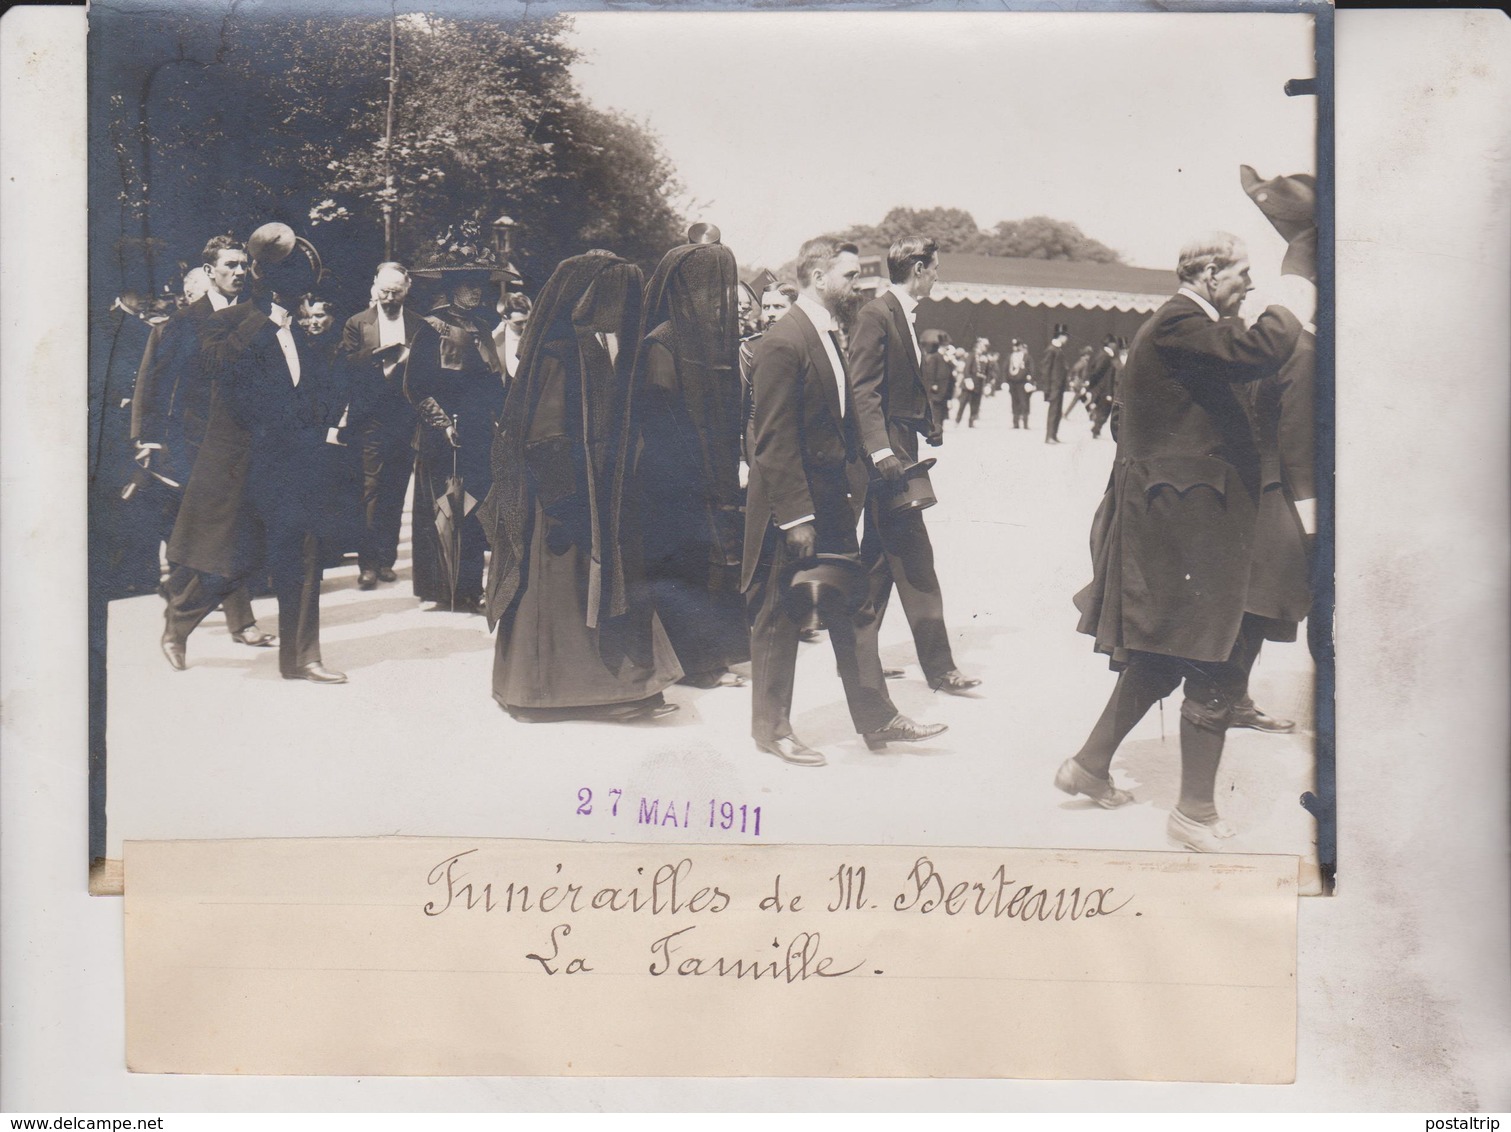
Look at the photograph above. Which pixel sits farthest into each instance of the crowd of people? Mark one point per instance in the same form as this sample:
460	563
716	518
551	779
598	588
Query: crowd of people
970	377
647	481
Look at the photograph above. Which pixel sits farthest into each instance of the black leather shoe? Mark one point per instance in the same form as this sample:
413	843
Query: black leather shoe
255	637
893	673
902	730
316	673
386	574
173	649
808	636
367	580
954	683
1251	717
791	749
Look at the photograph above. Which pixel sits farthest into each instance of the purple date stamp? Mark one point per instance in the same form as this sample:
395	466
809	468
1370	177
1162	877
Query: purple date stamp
671	813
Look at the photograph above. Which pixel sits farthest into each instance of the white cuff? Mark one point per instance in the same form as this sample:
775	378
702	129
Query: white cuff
880	454
794	523
1307	509
332	436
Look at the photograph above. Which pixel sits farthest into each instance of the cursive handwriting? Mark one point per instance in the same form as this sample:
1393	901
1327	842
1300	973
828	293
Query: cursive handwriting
800	960
670	893
1026	903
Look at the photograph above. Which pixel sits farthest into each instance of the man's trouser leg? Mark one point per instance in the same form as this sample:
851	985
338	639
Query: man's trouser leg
1147	678
387	461
237	606
773	645
295	561
191	597
1212	692
897	552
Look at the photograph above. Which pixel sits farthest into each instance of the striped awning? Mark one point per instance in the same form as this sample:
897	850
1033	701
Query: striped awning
1017	295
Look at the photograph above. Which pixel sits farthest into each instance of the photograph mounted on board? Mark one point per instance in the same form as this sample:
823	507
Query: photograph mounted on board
774	427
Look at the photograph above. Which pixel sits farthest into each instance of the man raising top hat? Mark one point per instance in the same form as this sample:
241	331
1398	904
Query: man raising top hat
806	485
258	485
171	405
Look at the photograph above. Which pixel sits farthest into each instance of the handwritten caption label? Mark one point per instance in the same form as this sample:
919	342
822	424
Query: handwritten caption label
460	957
670	812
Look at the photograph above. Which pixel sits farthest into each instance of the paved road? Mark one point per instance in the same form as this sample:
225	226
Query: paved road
415	745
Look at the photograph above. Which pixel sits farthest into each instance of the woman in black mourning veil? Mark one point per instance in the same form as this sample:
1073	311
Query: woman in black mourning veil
577	636
690	422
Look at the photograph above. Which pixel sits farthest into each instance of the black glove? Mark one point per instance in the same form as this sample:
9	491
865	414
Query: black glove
802	540
889	468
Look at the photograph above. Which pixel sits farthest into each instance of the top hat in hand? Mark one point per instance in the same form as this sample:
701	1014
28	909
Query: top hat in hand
823	587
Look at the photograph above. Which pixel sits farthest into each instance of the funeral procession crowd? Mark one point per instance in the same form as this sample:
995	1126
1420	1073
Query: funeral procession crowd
643	481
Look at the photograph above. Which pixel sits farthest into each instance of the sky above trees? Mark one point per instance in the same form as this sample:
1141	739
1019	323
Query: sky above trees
1132	126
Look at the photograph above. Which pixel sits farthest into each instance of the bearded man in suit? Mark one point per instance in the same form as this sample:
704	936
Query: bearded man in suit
374	348
807	484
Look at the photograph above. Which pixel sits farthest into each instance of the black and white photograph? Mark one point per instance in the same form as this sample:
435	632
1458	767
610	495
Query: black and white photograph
795	426
867	472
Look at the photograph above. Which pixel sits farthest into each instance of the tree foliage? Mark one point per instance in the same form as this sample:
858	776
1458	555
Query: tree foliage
218	119
1038	237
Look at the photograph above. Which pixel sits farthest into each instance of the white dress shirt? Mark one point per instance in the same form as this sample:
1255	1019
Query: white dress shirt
823	322
390	333
909	312
285	322
218	301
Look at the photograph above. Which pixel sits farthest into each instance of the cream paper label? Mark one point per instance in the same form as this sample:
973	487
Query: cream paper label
505	957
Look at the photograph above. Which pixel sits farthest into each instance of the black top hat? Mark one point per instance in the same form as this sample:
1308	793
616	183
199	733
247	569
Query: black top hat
826	585
913	492
1061	329
1290	204
1122	342
761	281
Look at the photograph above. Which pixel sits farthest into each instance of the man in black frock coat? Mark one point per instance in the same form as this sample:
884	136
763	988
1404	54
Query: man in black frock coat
893	408
807	483
255	498
170	407
1172	542
375	345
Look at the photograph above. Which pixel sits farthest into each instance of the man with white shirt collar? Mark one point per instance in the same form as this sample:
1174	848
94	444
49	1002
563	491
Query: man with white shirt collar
807	485
1172	541
374	347
255	498
892	409
171	404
